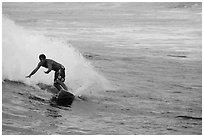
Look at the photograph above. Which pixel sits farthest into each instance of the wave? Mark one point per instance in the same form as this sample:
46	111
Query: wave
21	48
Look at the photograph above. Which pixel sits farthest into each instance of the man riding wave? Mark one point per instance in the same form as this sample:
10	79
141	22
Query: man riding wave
59	69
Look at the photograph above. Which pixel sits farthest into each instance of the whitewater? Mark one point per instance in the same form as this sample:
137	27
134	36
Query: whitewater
22	47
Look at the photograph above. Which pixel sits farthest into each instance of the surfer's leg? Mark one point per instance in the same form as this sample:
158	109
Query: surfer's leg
62	84
57	85
61	78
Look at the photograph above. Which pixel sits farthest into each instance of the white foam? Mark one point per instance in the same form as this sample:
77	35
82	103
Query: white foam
20	52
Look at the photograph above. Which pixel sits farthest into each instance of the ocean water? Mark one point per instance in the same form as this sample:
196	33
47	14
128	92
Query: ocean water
138	66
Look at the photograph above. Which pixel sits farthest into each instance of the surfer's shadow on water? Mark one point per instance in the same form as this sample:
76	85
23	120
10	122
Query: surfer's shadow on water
52	113
40	105
44	101
51	107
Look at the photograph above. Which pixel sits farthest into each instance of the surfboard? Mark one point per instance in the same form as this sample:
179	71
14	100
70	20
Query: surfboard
64	98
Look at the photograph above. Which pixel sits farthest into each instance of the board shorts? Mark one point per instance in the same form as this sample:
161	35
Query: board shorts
60	74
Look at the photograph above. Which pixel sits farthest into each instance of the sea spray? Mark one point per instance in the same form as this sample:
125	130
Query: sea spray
20	51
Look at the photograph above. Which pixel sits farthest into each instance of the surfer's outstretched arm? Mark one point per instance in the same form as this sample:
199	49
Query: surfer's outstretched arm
33	72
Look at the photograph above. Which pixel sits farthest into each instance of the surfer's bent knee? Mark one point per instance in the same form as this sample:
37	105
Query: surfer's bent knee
57	81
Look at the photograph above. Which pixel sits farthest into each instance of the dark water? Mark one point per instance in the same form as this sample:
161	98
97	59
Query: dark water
152	56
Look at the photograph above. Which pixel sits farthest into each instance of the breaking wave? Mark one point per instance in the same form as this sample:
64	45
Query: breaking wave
20	51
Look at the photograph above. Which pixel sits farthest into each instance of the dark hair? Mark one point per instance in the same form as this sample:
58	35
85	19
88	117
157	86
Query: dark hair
42	56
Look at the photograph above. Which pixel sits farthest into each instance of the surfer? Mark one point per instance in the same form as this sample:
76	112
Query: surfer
59	69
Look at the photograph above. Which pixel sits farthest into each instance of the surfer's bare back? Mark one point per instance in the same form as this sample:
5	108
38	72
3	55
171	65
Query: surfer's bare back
52	65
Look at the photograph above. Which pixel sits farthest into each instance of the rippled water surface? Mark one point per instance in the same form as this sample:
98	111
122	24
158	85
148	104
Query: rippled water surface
150	52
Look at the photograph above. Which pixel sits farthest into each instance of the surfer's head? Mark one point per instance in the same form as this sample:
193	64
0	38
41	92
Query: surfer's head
42	57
